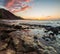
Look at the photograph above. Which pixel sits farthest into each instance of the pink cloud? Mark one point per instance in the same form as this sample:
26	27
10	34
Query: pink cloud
17	5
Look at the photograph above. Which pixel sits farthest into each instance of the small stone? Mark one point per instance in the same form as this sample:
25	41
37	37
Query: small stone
10	51
3	46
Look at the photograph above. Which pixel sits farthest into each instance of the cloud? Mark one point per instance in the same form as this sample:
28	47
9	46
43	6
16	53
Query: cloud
10	3
16	5
27	0
22	9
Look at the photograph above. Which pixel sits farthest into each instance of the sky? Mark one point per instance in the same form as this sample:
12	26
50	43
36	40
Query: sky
33	9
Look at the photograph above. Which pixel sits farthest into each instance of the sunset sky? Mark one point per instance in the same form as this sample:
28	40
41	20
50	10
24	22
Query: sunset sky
34	9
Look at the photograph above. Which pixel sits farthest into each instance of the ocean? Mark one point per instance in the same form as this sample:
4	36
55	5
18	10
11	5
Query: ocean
33	22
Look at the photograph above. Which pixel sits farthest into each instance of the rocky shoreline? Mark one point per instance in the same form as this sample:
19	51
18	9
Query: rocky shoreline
17	40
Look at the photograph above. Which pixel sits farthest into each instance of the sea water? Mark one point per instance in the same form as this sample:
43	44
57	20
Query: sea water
34	22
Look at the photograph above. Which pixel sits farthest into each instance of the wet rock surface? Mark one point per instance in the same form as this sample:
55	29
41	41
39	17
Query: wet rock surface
24	41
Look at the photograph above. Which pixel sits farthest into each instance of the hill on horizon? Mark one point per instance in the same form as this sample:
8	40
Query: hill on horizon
5	14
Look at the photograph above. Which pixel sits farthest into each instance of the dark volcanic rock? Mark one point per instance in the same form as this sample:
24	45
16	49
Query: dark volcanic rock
5	14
